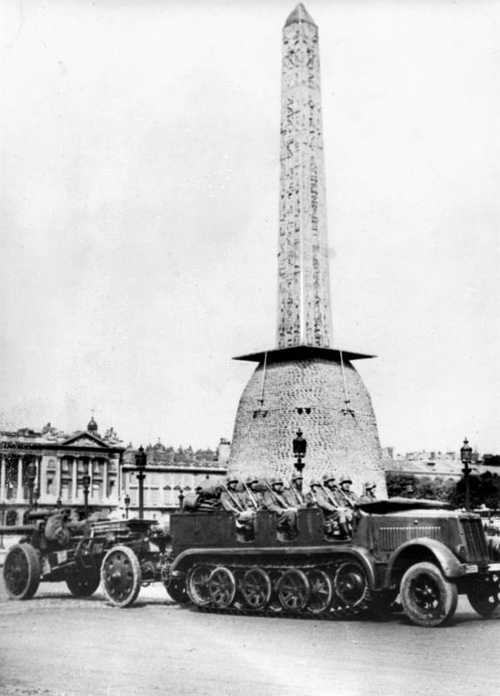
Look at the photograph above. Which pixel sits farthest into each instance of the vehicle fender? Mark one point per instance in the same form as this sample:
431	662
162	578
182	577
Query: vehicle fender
450	566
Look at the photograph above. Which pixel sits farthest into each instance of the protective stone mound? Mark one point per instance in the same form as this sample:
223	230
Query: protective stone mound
336	441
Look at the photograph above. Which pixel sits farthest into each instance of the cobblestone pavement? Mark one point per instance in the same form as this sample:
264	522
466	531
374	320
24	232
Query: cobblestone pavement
54	645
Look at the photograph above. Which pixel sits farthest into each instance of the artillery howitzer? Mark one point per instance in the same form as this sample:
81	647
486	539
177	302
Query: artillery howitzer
423	551
54	549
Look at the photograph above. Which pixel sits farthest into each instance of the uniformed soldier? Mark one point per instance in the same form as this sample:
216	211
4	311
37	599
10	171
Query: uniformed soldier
346	496
274	500
251	495
326	500
56	528
232	502
369	494
294	495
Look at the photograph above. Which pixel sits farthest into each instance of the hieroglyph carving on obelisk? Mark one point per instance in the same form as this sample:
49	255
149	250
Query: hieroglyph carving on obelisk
304	312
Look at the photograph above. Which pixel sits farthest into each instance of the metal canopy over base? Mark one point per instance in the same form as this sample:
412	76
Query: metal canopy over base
303	353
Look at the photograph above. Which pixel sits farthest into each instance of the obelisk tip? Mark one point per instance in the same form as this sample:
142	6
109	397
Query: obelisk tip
299	14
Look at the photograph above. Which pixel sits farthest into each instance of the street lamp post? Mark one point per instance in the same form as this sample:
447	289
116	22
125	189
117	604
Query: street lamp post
31	476
126	500
299	450
86	484
466	458
140	465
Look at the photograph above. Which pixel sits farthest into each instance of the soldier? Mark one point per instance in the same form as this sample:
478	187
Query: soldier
274	500
294	495
251	495
368	492
347	498
232	502
326	499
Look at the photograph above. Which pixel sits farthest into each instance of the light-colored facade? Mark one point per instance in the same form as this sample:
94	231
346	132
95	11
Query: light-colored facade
61	461
170	474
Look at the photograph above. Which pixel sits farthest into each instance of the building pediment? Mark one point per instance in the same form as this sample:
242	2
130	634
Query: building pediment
85	440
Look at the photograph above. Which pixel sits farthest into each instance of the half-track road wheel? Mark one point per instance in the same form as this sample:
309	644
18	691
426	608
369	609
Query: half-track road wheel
221	587
484	595
83	583
21	571
293	590
428	599
256	589
121	576
351	586
197	585
321	591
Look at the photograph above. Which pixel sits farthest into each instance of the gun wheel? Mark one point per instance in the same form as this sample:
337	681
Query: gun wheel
256	589
83	584
121	576
293	590
351	585
21	571
484	596
197	585
321	591
177	591
221	587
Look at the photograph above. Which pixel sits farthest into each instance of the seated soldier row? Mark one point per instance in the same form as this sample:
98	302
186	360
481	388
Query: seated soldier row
244	499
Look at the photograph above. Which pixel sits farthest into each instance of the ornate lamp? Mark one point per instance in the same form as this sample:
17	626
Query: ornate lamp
466	458
31	476
140	465
86	485
299	450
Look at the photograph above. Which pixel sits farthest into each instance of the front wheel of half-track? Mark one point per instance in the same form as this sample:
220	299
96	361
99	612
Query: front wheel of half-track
428	598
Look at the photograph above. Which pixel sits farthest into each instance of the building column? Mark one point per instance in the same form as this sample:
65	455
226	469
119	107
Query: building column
59	461
42	474
74	479
3	492
19	497
105	480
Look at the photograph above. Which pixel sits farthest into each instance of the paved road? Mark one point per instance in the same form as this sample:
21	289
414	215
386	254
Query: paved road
54	645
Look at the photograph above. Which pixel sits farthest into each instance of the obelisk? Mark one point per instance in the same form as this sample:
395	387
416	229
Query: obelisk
305	383
304	311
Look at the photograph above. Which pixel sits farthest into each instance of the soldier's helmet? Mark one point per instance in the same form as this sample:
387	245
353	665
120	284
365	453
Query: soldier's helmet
370	486
297	476
328	477
251	479
231	479
276	480
314	483
345	478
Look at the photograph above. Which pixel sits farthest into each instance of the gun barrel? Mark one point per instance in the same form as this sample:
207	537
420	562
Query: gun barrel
6	530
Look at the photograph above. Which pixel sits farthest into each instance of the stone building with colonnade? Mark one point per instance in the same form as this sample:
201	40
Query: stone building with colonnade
61	461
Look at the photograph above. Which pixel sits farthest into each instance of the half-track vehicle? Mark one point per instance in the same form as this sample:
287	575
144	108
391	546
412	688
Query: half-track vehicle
54	549
422	551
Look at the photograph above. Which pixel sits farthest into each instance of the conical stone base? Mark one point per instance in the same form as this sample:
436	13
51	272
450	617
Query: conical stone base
307	394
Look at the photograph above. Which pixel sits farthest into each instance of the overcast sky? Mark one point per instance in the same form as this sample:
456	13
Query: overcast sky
139	211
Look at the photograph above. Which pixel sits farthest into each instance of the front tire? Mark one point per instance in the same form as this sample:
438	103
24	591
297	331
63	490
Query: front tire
428	599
